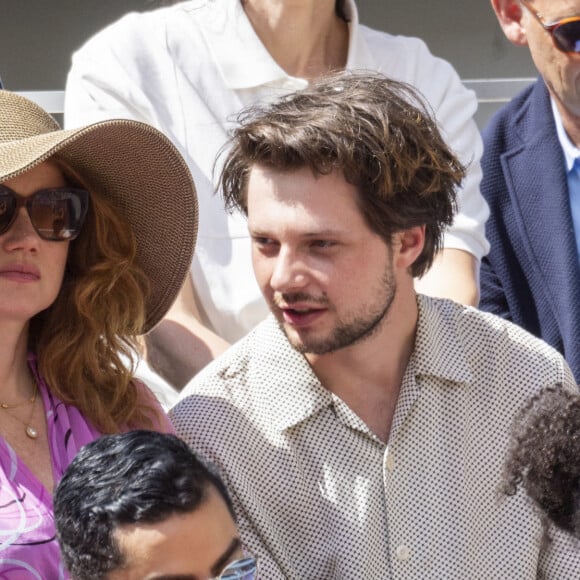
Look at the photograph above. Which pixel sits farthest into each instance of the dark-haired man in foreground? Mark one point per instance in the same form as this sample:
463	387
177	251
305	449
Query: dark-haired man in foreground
361	428
142	505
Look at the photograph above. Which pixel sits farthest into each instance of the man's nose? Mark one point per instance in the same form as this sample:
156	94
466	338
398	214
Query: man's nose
290	271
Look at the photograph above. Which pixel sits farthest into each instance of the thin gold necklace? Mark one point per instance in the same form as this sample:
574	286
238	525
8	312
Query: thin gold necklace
25	402
30	431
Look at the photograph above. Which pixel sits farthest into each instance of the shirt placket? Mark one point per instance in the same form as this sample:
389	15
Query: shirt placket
402	547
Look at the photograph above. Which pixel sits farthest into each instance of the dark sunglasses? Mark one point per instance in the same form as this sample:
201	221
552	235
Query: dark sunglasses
565	33
56	214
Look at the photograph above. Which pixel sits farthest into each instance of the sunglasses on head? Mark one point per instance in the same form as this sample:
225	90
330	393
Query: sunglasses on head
242	569
56	214
565	33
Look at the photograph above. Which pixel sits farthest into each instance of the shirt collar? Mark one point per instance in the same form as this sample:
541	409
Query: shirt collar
438	352
291	381
244	61
571	152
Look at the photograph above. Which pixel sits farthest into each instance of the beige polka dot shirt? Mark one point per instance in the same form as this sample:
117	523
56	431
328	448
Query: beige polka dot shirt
318	496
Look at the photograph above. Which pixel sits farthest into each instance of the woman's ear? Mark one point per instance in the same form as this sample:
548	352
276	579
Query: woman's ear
510	14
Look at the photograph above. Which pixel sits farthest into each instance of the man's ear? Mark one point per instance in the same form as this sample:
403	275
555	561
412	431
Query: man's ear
407	245
510	13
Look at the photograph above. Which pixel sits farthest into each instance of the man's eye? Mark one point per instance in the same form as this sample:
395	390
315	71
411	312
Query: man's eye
322	244
263	241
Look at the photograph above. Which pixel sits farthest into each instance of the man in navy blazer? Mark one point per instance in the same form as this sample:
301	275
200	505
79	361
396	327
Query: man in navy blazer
532	182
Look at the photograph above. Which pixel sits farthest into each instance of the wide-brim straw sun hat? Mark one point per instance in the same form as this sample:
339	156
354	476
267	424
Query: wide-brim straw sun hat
129	163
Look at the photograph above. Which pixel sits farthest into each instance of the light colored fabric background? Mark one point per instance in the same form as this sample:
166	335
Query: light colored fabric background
37	37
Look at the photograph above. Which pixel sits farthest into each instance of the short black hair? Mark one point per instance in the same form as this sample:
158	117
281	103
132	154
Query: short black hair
135	477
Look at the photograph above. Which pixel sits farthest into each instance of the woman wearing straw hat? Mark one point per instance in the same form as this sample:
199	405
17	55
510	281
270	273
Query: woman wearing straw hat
97	227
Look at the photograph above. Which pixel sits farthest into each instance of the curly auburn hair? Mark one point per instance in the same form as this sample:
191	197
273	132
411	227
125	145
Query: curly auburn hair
96	318
544	456
376	131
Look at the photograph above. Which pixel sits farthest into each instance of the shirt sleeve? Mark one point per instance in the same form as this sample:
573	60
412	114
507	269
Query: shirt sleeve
104	79
455	115
560	558
159	420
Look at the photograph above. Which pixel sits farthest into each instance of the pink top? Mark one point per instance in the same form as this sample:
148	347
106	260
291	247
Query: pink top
28	546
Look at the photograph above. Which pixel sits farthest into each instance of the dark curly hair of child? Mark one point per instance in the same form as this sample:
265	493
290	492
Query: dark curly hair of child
544	456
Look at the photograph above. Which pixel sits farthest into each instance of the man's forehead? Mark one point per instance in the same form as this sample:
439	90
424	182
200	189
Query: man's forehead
302	204
553	9
195	543
273	173
297	185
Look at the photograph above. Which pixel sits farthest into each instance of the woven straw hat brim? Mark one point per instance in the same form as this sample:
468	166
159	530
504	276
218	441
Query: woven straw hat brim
141	173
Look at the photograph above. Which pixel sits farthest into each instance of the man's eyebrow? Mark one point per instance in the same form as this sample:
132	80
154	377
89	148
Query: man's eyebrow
215	570
258	233
318	234
225	557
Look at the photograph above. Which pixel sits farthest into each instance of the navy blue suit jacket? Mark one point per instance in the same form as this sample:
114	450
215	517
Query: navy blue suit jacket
531	275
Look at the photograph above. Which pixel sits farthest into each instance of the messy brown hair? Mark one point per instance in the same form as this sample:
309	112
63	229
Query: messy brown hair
377	132
80	339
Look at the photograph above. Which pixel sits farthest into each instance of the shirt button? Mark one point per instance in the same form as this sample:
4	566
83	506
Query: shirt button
403	553
390	461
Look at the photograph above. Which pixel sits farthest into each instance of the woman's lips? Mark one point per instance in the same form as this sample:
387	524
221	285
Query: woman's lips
20	273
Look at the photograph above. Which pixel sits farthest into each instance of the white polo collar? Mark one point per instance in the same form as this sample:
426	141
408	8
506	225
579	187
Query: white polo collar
253	66
439	352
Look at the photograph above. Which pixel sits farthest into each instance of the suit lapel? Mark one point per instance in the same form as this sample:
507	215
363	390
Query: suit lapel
536	178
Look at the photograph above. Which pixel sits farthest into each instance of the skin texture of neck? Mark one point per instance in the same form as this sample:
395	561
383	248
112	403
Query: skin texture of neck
305	37
15	383
367	376
571	123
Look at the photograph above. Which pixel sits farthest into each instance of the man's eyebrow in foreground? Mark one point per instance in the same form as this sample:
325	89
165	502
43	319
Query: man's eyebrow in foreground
215	569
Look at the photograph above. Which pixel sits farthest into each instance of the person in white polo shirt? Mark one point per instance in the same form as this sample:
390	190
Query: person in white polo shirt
188	69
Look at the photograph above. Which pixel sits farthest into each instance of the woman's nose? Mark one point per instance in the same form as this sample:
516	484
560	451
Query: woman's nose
21	234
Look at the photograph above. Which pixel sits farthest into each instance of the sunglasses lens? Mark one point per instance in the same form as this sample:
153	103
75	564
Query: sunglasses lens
244	569
567	36
58	214
8	204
